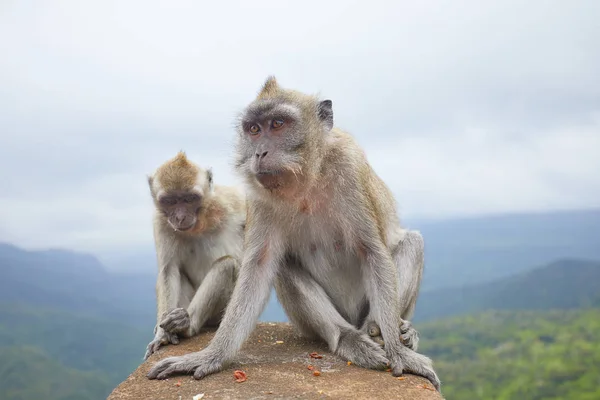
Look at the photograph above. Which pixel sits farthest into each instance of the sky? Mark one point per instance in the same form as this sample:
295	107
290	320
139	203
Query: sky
462	107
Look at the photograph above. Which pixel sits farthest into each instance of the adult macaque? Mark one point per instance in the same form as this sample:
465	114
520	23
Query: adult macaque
323	228
198	233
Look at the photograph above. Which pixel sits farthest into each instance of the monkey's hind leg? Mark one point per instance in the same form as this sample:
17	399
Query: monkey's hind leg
311	311
208	302
409	257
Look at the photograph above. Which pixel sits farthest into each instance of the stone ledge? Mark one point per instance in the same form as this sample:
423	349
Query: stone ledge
274	371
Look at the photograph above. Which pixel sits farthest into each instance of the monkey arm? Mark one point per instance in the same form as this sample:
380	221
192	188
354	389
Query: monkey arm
262	256
168	291
209	301
381	283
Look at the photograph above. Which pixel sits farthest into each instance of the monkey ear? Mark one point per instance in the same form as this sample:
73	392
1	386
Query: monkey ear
209	177
150	179
326	113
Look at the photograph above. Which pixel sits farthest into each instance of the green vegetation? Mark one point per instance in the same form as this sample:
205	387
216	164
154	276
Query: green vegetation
28	373
517	355
51	354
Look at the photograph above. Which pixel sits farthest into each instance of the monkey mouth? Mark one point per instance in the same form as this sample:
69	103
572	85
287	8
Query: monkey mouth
182	228
270	179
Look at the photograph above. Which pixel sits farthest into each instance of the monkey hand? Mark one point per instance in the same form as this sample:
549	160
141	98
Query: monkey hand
160	339
357	347
201	364
176	321
409	361
409	335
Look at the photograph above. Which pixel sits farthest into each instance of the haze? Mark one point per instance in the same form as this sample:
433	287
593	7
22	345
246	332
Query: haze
463	107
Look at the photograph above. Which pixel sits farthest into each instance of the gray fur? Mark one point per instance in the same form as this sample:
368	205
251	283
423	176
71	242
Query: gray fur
327	236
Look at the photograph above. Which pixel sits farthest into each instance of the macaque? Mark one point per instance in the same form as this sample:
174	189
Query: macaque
198	234
323	229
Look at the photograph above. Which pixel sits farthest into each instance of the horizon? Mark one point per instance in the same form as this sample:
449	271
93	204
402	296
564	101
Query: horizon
117	256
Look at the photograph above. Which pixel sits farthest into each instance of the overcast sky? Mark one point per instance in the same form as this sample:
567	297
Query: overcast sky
463	107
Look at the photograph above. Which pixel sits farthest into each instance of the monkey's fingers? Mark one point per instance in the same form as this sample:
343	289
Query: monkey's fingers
183	365
161	366
373	329
173	338
406	326
397	368
174	325
205	370
176	321
409	336
378	340
152	347
410	340
419	364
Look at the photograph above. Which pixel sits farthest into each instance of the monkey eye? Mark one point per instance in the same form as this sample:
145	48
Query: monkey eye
168	201
190	199
276	123
254	129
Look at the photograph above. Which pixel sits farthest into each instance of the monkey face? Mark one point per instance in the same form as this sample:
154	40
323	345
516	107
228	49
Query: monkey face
277	137
181	209
270	142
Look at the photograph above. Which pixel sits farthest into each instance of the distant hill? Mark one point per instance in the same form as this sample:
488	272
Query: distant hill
481	249
563	284
75	282
533	355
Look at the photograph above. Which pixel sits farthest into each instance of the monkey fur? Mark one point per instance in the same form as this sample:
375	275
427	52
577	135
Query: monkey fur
321	227
198	233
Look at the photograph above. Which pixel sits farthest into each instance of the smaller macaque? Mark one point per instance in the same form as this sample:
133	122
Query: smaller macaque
198	234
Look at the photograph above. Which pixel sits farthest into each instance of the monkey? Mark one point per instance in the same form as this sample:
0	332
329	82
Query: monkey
322	228
198	234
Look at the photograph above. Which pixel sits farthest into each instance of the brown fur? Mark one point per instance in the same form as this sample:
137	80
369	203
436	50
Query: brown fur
177	173
180	174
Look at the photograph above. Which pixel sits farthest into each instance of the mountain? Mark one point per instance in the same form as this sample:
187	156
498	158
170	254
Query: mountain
533	355
465	251
563	284
75	282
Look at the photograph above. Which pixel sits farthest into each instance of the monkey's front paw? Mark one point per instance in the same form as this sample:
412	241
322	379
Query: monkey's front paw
162	338
357	347
176	321
200	364
409	336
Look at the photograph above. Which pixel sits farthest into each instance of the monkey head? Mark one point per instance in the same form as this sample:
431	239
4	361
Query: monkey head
179	189
281	137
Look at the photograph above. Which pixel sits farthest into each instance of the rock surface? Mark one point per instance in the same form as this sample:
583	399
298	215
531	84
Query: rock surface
274	370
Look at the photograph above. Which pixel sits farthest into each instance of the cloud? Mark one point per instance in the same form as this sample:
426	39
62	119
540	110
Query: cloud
463	107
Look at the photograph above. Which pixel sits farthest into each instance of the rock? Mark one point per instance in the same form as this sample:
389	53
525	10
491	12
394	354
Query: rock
276	362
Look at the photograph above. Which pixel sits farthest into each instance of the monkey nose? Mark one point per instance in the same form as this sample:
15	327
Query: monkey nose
261	155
